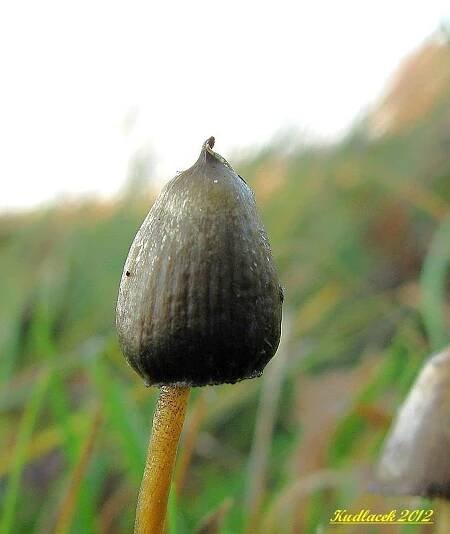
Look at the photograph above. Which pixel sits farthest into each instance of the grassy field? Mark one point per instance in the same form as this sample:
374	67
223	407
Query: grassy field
361	235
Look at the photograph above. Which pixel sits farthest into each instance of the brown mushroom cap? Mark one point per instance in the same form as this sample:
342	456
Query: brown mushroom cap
415	458
199	301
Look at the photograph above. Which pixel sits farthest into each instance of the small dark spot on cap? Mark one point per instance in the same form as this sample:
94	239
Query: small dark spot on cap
127	273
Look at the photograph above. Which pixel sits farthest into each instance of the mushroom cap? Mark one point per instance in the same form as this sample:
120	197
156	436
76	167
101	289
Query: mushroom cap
415	458
199	301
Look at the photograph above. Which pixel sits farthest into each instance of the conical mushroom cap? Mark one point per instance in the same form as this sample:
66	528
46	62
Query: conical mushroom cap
415	459
199	300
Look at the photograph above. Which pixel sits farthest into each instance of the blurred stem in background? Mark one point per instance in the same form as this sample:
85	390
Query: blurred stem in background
78	476
257	468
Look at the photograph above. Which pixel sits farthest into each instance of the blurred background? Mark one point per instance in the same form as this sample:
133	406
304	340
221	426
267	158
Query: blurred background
338	116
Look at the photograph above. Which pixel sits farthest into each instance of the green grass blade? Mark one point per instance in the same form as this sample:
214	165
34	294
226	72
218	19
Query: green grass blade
59	402
24	434
433	285
172	513
124	419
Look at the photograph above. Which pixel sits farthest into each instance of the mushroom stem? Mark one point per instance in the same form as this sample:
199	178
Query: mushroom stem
167	425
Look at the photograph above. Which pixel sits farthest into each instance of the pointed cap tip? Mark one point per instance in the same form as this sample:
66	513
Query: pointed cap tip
209	143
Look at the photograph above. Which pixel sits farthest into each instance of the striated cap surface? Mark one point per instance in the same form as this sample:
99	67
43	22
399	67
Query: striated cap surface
199	301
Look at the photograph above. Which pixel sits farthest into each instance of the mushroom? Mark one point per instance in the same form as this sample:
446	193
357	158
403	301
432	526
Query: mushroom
199	304
415	458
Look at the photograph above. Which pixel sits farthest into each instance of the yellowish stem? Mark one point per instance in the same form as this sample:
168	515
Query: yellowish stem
154	493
